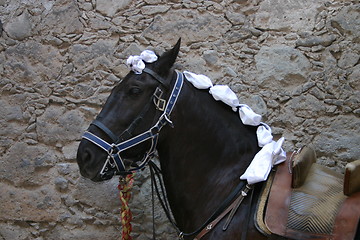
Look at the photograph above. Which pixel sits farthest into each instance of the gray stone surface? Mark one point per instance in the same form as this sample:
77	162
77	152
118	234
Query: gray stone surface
287	15
294	62
282	66
19	27
109	8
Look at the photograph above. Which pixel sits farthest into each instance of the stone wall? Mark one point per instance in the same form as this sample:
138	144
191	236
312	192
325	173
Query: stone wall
294	62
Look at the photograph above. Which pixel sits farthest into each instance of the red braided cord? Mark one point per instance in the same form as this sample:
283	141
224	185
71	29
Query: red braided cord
125	186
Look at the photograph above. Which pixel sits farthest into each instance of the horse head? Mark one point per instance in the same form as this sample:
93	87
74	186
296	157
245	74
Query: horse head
133	107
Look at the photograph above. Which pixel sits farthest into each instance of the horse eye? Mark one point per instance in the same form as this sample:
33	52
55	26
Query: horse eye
135	91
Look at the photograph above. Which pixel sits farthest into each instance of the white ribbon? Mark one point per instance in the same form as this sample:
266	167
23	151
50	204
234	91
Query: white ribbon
226	95
248	116
271	152
263	134
137	63
260	167
198	80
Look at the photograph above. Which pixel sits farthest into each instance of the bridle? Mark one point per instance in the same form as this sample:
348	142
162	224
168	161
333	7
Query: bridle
114	163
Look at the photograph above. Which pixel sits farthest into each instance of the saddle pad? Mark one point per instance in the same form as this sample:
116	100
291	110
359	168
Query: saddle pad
313	211
314	205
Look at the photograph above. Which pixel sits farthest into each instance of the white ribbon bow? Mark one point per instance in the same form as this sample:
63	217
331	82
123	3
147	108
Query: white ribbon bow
198	80
137	63
271	154
226	95
248	116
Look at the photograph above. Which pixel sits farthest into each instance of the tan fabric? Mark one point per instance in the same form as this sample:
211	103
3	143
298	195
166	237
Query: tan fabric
352	178
314	205
301	163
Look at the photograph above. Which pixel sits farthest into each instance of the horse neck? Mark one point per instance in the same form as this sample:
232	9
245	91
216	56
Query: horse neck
203	156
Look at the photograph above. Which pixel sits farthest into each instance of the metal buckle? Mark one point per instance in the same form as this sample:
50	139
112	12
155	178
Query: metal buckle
158	101
105	168
161	104
109	163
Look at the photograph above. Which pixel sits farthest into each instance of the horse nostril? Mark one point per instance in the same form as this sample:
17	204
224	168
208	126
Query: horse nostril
84	160
86	156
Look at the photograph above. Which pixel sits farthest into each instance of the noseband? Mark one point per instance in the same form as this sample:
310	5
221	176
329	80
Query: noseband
114	161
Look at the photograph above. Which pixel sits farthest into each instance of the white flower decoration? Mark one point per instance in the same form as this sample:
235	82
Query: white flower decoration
137	63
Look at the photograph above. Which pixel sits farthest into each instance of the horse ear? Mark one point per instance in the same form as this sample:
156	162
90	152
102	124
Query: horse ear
167	60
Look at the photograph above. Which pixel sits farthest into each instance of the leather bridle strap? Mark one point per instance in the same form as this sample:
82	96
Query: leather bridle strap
136	122
105	129
223	207
127	133
231	203
156	76
231	209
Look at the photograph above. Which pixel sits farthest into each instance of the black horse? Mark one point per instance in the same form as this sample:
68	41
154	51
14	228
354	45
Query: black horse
202	145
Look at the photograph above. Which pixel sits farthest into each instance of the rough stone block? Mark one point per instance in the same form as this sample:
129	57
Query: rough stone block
62	19
347	21
102	195
291	14
27	165
280	64
187	25
109	8
57	125
37	205
19	27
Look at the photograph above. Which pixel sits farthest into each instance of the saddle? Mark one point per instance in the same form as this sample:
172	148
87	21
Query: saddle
305	200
